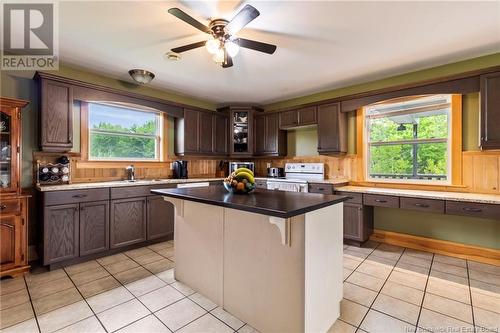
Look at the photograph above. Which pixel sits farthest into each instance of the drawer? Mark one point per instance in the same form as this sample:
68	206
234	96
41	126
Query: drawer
320	188
137	191
75	196
12	206
353	198
489	211
381	200
261	183
424	205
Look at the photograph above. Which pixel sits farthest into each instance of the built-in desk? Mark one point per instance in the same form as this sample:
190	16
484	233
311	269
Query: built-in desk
358	209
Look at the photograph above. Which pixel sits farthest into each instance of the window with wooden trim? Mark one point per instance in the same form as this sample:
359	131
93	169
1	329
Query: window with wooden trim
409	139
122	133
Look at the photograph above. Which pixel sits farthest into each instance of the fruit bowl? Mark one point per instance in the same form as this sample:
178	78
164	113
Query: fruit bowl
241	181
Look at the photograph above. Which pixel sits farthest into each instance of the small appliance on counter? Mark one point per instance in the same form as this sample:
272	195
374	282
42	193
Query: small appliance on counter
180	170
236	165
275	172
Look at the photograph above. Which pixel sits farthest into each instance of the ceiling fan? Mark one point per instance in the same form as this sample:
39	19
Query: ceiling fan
223	43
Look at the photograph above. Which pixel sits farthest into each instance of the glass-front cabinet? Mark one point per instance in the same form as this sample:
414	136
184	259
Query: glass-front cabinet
9	143
241	129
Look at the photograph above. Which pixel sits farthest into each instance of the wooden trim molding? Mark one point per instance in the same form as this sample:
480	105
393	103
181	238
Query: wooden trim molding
453	249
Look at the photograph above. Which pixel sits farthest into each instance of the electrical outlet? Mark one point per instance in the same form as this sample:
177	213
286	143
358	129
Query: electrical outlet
171	166
268	165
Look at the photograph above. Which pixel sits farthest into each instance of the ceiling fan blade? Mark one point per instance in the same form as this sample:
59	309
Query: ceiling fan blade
244	16
228	61
257	46
188	19
188	47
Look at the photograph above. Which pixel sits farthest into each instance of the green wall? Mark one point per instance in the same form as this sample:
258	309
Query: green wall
462	229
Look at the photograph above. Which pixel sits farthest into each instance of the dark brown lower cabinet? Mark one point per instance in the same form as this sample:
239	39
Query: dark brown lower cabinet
94	227
160	217
61	233
128	222
358	222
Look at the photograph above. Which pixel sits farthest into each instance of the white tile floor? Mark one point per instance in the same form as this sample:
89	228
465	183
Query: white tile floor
386	289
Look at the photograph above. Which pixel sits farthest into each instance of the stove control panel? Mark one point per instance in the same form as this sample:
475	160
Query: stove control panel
318	168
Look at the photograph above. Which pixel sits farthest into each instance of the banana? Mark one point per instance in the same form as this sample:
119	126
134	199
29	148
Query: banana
245	175
237	171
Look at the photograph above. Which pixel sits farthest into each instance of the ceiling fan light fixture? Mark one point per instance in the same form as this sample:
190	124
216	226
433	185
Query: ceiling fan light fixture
173	56
141	76
219	56
212	45
232	48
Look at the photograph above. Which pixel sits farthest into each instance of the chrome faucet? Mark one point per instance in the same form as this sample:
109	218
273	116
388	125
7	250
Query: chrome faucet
130	173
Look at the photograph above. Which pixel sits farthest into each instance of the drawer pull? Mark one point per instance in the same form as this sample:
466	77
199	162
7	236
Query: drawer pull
472	210
320	189
2	207
380	200
422	205
350	198
79	196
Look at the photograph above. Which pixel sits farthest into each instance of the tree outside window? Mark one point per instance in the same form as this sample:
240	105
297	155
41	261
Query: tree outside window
409	139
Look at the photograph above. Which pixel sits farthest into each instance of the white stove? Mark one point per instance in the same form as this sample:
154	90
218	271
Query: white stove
297	177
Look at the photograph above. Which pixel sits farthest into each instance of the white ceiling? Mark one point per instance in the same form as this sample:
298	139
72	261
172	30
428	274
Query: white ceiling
321	45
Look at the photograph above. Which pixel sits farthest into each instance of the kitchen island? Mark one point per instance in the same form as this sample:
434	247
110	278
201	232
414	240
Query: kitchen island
271	258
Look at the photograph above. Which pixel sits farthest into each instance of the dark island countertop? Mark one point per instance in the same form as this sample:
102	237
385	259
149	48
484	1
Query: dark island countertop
272	203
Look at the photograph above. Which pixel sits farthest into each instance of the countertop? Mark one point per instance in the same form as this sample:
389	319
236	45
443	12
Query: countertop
261	201
121	183
451	196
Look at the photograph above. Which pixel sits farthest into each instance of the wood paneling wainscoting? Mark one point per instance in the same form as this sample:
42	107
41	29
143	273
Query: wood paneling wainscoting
335	166
109	171
453	249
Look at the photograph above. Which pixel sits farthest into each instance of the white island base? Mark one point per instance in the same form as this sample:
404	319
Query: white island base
278	275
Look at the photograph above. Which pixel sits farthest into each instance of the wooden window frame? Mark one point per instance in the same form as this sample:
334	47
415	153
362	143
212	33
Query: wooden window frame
455	154
85	162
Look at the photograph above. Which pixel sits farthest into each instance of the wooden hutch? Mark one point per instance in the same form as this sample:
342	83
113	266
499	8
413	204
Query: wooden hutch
13	203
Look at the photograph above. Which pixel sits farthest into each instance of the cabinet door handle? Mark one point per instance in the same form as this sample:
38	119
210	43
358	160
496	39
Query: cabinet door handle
422	205
79	196
380	200
2	207
472	210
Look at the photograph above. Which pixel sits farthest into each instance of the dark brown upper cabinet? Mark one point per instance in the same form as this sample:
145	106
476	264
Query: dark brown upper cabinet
202	133
332	129
221	127
305	116
269	139
241	129
206	132
56	116
490	110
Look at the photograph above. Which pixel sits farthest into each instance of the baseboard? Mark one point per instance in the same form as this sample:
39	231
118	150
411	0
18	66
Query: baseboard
453	249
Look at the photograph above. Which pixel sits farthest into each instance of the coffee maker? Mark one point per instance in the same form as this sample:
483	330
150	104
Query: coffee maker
180	169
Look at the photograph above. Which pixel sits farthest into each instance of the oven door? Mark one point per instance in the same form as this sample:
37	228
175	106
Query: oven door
286	186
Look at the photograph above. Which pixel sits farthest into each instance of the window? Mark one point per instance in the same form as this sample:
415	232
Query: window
117	132
409	139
